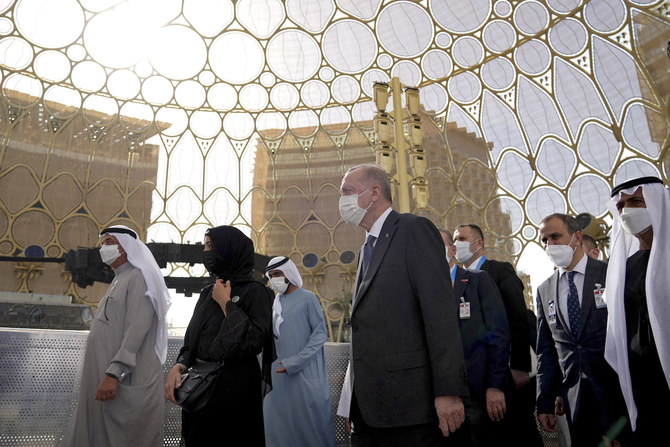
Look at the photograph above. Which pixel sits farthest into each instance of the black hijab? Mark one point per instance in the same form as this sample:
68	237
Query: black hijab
232	255
232	259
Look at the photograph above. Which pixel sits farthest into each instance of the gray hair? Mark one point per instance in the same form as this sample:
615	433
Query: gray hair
374	175
570	222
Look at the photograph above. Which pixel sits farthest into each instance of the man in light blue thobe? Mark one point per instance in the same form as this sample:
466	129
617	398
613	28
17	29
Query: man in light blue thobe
298	411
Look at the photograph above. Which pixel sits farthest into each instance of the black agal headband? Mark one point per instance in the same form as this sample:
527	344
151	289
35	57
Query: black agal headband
635	182
119	230
276	264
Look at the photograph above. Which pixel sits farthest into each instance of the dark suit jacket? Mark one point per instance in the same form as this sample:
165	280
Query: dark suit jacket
485	335
511	291
562	358
405	336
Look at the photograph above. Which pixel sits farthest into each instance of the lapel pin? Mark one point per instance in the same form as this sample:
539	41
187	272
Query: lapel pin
387	235
464	280
235	299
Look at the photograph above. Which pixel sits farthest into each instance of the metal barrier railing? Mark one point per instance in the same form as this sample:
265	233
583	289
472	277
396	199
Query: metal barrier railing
40	372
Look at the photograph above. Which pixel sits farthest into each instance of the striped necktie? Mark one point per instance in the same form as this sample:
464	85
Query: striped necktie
368	248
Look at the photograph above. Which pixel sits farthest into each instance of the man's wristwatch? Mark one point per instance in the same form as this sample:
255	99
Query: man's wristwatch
113	376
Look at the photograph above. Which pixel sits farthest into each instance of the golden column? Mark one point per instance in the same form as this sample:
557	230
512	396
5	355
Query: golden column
402	127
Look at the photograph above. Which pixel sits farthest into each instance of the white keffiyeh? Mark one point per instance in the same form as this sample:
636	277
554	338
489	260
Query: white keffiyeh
141	258
291	273
657	285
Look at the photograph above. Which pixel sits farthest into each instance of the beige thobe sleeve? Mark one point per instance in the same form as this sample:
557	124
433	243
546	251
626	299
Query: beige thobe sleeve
139	315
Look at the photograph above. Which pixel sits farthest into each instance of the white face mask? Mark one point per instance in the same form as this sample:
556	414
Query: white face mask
561	255
350	211
446	250
279	284
463	252
635	220
109	253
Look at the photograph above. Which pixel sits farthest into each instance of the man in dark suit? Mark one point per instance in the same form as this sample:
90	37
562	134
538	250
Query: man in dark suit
486	345
572	374
520	394
407	363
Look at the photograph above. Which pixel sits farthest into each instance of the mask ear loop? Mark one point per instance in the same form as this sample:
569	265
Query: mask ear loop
371	201
470	246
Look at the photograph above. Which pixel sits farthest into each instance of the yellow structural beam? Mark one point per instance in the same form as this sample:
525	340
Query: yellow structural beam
400	147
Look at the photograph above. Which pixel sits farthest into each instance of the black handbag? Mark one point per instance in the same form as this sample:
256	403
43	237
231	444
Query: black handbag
197	384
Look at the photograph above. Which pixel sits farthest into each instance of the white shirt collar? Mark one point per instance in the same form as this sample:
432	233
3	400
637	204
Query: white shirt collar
379	223
579	268
474	264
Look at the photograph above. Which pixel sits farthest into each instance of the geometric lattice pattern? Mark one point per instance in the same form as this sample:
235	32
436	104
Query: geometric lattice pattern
249	112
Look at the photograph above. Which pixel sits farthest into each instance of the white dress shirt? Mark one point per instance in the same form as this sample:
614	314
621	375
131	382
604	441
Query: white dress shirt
563	289
376	227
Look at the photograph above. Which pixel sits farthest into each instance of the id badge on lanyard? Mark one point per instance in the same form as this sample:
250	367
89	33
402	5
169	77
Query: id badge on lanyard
463	309
551	312
599	296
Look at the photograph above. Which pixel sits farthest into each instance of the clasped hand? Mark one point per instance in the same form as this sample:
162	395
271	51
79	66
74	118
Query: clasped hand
221	293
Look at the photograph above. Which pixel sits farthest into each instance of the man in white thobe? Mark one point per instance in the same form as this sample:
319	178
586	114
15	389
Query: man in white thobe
120	397
638	280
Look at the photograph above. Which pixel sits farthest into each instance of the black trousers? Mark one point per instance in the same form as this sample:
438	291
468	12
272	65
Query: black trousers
483	431
519	424
586	431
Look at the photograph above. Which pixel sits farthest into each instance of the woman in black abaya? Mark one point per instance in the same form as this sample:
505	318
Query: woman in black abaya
231	323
